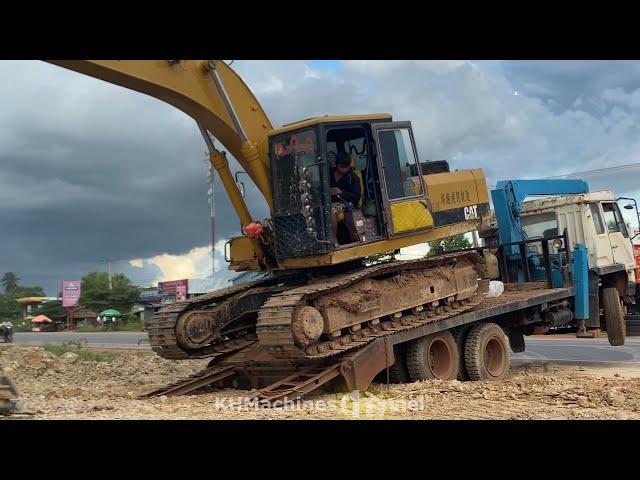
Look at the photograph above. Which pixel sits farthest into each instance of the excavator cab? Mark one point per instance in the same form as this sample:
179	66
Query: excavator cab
384	159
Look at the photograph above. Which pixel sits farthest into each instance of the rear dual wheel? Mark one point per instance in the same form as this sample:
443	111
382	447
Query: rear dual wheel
478	352
486	352
433	357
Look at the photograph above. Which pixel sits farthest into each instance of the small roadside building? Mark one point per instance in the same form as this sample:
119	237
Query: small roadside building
83	316
29	305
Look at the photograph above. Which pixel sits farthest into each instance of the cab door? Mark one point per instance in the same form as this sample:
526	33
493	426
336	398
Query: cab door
596	238
404	196
618	235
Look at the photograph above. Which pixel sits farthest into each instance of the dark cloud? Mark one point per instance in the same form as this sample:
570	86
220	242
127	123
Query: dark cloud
134	188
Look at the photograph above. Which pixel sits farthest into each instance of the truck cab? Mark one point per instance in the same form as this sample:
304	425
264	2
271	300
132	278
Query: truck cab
593	219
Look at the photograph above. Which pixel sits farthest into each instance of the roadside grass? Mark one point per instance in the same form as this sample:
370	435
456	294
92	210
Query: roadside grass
83	354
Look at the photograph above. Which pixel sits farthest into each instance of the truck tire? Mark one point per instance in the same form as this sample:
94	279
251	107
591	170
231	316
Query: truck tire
613	316
487	352
460	336
398	371
435	356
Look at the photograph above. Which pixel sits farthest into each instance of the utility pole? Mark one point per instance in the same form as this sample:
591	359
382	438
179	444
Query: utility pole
211	193
109	270
210	141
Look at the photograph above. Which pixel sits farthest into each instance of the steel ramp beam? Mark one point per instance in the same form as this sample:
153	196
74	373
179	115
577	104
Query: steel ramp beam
297	385
201	379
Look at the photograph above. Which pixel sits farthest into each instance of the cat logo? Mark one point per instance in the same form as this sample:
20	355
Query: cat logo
471	212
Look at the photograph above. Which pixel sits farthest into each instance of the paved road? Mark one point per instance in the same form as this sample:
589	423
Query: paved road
564	349
93	339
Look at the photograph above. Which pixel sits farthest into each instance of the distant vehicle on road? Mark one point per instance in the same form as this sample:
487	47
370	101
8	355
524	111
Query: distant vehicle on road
7	331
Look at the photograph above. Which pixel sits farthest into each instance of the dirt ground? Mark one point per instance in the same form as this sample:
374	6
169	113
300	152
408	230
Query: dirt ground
68	388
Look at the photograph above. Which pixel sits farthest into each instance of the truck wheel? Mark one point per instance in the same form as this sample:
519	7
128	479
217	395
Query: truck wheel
433	357
486	352
460	336
398	371
613	316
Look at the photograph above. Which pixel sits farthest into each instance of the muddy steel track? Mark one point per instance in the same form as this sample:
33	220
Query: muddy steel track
275	316
162	334
274	319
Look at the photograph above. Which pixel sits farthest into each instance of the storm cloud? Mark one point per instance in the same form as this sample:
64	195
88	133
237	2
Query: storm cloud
90	171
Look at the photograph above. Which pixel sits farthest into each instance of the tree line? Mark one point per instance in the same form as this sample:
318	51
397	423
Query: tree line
95	295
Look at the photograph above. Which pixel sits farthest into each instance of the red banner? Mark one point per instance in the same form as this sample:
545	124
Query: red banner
178	287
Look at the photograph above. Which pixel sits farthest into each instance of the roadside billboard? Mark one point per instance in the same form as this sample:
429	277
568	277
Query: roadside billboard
70	293
179	288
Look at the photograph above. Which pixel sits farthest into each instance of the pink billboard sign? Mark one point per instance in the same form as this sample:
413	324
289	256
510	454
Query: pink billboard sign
174	286
70	293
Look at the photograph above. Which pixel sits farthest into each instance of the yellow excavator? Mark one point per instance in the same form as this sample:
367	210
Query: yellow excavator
320	298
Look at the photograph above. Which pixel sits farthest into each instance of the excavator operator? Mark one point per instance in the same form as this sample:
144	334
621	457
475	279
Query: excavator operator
345	192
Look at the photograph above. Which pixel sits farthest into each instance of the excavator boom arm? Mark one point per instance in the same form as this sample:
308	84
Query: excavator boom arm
207	90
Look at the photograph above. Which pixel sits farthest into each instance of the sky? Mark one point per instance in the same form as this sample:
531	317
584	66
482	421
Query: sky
90	171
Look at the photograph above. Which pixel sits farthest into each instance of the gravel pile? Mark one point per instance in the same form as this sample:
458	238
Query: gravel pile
68	387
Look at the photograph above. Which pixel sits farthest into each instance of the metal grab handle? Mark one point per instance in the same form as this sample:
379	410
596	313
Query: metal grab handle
227	246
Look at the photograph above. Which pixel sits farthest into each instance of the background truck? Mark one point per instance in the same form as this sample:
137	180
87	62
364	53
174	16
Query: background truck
592	219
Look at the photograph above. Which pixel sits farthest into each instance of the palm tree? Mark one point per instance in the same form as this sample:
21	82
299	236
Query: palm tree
10	282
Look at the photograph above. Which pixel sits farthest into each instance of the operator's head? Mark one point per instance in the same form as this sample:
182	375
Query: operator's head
343	160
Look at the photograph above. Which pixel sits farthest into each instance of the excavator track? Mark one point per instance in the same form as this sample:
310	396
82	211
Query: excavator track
215	325
314	371
162	331
275	318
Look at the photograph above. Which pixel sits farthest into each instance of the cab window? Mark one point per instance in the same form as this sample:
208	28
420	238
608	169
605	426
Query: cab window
597	218
293	154
542	225
399	164
613	219
357	148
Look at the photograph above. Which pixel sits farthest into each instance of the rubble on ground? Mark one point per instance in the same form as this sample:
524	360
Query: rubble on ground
69	387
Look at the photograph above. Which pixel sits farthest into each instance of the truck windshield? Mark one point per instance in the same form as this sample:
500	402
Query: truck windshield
290	153
543	225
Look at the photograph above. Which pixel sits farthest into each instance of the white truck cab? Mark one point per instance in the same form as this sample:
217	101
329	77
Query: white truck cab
595	220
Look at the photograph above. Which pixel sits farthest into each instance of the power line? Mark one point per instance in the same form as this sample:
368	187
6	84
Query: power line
589	172
599	170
